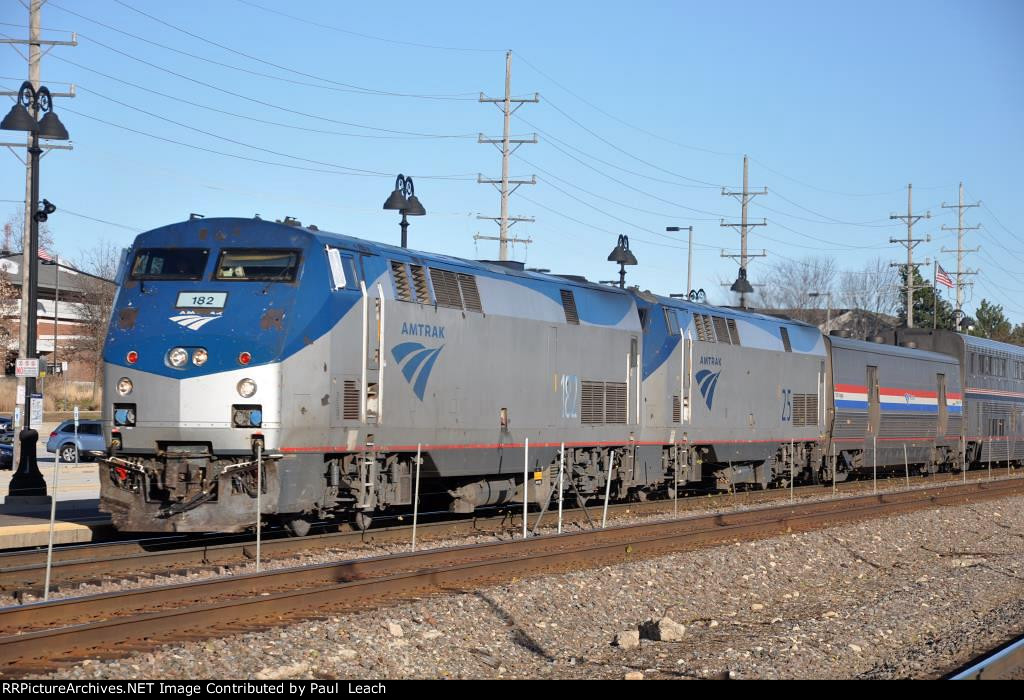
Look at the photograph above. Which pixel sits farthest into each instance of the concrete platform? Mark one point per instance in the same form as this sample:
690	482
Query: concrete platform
78	517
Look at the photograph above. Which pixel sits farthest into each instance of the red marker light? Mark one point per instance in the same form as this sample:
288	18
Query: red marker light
244	358
132	357
121	472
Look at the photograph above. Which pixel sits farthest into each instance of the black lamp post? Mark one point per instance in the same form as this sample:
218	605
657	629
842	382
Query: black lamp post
27	483
622	255
404	200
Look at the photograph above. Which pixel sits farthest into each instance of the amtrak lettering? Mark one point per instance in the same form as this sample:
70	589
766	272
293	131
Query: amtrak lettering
423	330
710	360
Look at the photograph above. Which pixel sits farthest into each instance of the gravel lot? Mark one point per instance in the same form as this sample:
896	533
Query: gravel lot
908	596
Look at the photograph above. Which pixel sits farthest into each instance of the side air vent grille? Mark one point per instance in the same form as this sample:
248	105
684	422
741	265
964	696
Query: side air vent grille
569	305
350	402
734	331
446	288
401	278
615	402
703	325
591	402
721	330
419	283
676	412
805	410
470	294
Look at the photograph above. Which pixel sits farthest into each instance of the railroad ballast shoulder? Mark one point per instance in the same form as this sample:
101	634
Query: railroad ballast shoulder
335	358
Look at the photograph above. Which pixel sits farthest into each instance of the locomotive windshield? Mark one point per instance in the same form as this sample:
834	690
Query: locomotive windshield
170	263
250	264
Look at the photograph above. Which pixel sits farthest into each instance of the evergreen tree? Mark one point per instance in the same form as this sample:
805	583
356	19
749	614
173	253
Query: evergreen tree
926	310
992	323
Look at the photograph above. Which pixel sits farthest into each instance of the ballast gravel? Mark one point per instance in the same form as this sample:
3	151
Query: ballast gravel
906	596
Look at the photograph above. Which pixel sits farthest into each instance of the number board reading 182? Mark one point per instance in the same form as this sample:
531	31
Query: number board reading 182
201	300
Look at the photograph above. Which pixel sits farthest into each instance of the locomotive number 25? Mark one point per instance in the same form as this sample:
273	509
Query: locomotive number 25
787	405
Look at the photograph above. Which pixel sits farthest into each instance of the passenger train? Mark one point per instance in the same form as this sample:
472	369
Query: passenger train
327	362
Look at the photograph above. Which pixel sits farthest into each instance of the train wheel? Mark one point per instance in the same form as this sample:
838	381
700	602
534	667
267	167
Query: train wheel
298	526
363	521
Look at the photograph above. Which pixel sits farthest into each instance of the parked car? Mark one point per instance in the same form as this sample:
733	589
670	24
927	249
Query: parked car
6	455
62	440
6	423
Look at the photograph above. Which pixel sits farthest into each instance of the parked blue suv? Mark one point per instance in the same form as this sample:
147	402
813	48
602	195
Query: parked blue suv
62	440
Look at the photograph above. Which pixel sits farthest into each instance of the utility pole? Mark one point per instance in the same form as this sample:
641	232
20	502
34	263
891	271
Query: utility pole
741	284
960	250
34	57
507	146
910	218
689	255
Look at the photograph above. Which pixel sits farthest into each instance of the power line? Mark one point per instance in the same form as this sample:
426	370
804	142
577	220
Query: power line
610	164
245	116
254	160
625	152
960	250
367	36
340	86
621	121
264	103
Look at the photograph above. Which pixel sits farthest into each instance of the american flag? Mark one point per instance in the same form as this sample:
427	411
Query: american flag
942	277
44	255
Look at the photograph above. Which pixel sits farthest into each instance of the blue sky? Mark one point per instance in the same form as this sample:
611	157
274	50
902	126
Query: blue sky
646	109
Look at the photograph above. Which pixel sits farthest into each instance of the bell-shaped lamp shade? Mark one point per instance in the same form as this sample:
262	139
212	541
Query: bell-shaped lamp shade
51	128
413	207
621	255
396	201
741	285
18	119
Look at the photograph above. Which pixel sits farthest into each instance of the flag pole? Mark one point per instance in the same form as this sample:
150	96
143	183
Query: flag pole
935	295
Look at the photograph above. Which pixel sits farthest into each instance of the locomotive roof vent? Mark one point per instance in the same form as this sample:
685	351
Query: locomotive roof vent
290	221
840	333
876	339
573	278
908	344
510	264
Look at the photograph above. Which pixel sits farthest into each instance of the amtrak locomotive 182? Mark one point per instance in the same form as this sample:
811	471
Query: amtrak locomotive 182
327	360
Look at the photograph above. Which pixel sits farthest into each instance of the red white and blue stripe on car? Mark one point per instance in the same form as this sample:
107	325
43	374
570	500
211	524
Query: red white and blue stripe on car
895	399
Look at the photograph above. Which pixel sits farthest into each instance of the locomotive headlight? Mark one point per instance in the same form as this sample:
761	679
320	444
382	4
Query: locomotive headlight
199	357
124	386
246	388
177	357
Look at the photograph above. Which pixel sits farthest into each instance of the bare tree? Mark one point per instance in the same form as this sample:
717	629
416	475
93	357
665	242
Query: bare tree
787	284
874	289
95	305
13	231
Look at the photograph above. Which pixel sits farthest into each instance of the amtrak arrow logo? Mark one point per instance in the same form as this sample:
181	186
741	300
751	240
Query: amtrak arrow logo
707	381
192	321
418	362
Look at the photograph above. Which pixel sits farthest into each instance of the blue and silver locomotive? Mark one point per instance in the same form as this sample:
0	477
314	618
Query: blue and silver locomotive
247	356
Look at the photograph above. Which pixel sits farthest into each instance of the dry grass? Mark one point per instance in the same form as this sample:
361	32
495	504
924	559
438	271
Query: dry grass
58	395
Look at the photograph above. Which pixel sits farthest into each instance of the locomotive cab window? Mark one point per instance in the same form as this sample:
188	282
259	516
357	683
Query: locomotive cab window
263	265
170	264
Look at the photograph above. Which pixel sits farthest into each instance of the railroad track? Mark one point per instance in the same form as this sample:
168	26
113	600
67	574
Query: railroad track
1004	663
22	573
46	635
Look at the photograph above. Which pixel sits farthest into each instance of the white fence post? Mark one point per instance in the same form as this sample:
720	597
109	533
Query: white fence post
526	482
561	471
607	487
416	496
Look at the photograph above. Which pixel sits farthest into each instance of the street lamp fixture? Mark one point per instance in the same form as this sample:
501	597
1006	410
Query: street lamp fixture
27	483
828	309
622	255
403	199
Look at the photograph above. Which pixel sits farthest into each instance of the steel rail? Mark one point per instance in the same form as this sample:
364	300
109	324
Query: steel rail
23	572
1006	662
133	619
